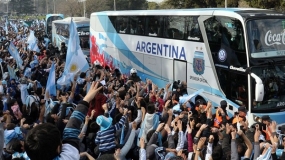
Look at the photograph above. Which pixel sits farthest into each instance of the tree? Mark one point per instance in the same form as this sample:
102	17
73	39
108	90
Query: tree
152	5
276	4
22	7
70	8
230	3
191	3
127	4
13	5
27	7
96	6
165	5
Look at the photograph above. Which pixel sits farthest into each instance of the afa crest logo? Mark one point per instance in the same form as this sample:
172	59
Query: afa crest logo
198	63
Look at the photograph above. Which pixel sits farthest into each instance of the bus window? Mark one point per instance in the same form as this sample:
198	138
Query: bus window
133	24
226	34
234	85
192	29
113	20
140	26
154	26
83	33
62	29
122	25
174	27
274	87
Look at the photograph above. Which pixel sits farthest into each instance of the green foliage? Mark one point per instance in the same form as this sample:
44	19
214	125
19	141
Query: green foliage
22	7
152	5
200	3
128	4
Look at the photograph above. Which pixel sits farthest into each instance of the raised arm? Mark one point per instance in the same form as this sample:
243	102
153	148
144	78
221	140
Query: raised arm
72	129
129	142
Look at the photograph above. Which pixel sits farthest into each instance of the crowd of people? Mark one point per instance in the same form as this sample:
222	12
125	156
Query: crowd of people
122	118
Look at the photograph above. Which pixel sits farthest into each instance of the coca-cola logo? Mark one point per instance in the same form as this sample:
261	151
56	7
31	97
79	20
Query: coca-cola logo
274	38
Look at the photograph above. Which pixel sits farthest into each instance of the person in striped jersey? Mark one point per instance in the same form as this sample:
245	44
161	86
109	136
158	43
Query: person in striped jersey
105	138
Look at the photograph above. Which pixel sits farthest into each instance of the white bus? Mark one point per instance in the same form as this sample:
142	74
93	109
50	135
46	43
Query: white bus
60	32
49	19
236	54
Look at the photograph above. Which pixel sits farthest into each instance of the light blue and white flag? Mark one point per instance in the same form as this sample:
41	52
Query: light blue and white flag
11	72
51	87
33	42
15	54
75	59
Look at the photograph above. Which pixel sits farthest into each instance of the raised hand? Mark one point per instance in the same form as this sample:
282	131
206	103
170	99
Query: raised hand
92	92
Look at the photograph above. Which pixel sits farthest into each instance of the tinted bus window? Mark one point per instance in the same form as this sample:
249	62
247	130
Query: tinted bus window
49	22
192	29
174	27
62	29
154	26
83	33
122	25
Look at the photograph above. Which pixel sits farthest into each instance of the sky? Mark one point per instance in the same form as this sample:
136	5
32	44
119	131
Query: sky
157	1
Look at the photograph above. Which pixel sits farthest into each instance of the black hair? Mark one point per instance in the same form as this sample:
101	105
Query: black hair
82	75
149	134
150	108
49	119
11	102
42	142
217	152
16	145
10	126
122	94
39	91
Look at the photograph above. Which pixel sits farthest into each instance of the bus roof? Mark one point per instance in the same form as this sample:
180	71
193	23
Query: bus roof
77	20
52	14
195	11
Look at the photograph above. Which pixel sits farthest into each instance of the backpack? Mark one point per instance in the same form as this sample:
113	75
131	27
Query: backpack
32	107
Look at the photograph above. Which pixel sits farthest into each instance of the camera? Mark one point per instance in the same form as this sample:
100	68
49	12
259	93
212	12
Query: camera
176	84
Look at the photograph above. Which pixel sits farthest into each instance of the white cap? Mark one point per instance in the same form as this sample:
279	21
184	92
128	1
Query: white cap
133	70
261	137
96	63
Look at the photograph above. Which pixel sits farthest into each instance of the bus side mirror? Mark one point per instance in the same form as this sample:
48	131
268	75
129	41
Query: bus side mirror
259	88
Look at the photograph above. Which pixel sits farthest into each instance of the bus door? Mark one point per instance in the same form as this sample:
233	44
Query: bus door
180	70
225	45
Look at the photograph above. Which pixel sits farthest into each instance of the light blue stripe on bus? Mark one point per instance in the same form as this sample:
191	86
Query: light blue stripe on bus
119	43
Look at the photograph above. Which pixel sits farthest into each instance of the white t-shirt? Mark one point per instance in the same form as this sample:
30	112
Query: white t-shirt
69	152
1	89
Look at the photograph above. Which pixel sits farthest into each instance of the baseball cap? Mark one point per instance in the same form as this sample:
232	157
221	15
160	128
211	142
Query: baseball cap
223	104
265	118
242	109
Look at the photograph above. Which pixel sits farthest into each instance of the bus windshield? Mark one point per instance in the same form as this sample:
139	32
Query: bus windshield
266	37
273	78
62	35
49	19
83	33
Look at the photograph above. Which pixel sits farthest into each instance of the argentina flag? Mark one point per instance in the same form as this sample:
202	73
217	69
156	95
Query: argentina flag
15	54
75	59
